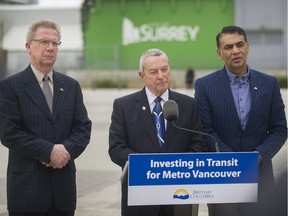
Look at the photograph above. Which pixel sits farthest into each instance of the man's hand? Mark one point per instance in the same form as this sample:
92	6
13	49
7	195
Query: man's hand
59	157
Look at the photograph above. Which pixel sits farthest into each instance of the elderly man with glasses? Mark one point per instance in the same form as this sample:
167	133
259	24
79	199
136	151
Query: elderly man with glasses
45	126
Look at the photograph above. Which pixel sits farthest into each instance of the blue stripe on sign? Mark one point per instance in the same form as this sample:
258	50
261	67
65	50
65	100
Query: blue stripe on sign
193	168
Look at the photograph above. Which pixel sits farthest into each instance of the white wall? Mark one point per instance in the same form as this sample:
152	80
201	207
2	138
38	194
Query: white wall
15	21
265	22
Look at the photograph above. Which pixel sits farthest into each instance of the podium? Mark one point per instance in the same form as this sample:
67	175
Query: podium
192	178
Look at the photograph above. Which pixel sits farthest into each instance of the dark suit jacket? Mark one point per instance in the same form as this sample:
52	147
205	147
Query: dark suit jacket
266	129
132	131
29	130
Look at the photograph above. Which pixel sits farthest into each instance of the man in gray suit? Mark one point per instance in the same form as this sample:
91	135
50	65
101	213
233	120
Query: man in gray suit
45	126
132	129
243	109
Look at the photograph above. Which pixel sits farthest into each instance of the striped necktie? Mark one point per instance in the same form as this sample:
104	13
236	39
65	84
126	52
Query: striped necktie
159	121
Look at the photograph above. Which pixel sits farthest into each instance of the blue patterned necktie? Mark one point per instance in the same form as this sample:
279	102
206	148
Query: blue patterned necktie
159	121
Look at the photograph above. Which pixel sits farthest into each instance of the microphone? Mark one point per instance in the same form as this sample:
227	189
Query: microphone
171	114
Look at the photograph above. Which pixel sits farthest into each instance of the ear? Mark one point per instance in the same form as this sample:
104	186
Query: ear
219	53
27	45
141	74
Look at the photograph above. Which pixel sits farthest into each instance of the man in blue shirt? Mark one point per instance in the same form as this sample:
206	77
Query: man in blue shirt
243	109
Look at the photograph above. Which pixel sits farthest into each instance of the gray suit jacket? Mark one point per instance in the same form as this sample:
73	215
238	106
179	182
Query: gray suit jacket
29	130
132	131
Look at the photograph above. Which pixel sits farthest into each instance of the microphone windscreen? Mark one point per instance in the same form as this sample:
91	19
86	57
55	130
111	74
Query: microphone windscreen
170	110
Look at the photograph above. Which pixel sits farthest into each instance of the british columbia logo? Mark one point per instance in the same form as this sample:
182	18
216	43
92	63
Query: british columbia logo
181	194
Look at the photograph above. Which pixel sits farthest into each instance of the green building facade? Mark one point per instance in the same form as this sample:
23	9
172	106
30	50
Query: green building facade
117	32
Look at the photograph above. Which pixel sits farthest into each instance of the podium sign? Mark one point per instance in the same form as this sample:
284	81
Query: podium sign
190	178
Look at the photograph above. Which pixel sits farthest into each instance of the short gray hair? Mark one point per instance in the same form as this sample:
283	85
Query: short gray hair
42	23
150	52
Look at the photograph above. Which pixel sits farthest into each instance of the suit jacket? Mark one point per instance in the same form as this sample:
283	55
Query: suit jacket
29	130
266	129
132	131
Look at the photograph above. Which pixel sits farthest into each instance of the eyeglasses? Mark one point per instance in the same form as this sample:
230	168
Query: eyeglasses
46	43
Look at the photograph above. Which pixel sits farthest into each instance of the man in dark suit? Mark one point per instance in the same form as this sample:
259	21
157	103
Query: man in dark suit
132	129
243	109
44	137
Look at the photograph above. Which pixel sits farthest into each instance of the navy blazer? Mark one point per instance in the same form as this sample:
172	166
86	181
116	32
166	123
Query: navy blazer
29	130
266	129
132	131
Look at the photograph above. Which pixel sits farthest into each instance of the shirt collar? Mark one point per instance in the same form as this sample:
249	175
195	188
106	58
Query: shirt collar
234	79
39	75
151	97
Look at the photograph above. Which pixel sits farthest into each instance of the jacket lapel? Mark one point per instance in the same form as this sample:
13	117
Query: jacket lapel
34	92
59	94
170	129
224	87
255	100
144	111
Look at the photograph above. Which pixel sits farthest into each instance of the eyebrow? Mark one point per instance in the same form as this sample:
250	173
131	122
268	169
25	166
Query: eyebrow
232	44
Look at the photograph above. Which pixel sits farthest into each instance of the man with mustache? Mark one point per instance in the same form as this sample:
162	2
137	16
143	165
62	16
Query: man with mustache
243	109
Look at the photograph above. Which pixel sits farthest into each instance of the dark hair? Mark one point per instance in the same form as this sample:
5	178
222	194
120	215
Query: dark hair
230	30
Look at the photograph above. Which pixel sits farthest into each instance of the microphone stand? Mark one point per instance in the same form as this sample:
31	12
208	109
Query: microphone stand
199	132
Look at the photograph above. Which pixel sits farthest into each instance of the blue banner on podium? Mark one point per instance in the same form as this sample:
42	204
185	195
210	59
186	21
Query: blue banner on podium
186	178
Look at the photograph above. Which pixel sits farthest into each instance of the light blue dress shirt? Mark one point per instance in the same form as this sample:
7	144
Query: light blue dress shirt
241	94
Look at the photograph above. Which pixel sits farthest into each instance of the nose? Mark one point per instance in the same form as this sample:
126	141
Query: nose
160	74
235	49
50	46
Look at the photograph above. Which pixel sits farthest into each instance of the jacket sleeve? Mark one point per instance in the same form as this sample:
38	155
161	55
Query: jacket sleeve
118	137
